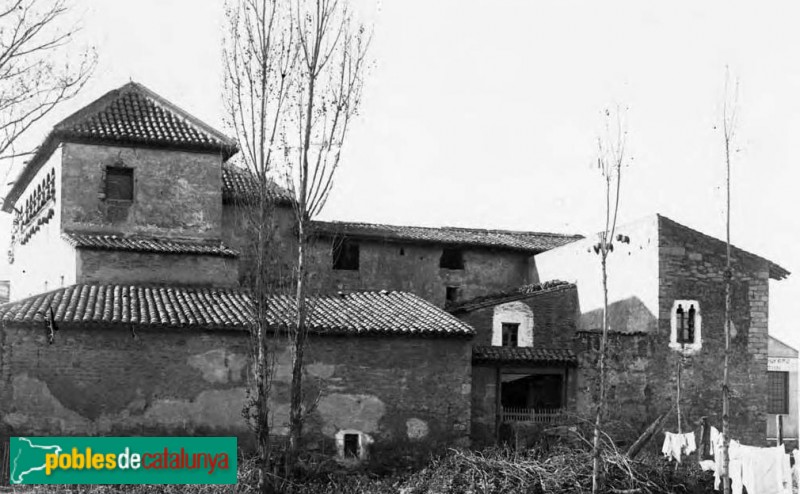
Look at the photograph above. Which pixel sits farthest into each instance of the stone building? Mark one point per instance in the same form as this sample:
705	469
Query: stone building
127	314
427	335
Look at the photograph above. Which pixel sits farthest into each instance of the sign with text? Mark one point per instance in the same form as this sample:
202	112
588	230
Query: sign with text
122	460
781	364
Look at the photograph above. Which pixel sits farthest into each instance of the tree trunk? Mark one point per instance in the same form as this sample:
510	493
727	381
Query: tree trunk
602	397
298	346
728	275
265	481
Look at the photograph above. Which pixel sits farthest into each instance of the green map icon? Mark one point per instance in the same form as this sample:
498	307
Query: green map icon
29	457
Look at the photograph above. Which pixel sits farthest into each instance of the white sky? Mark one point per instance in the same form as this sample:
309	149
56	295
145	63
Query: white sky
485	114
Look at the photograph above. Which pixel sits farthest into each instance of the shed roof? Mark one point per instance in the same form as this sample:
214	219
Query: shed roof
509	295
524	355
360	313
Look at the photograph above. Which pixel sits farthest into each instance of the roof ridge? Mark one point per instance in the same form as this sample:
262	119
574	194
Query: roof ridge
103	102
456	228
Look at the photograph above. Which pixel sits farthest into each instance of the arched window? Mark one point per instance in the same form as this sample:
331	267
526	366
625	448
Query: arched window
685	325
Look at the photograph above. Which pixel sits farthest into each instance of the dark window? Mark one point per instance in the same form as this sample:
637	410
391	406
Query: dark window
345	255
684	324
119	183
351	446
510	333
402	251
452	259
452	293
778	392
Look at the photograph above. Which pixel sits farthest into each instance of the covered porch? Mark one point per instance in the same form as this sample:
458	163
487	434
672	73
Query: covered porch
519	385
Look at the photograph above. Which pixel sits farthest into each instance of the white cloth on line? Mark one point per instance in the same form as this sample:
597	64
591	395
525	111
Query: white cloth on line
677	445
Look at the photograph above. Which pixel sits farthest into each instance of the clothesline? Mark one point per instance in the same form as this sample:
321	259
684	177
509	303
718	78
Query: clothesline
759	470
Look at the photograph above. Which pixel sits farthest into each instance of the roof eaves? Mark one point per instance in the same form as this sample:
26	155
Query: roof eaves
490	300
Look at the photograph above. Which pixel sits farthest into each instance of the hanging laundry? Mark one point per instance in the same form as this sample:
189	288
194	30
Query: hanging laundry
677	445
759	470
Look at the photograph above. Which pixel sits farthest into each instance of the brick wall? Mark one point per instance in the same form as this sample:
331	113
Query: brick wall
103	380
101	266
176	193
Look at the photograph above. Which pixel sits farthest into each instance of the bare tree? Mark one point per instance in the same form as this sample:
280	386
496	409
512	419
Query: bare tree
331	47
729	108
259	61
36	73
610	157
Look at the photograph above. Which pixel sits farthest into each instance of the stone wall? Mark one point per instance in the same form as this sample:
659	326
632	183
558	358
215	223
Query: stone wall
117	381
692	266
643	369
415	268
382	265
102	266
176	193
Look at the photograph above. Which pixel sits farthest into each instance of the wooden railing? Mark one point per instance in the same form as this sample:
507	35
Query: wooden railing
542	416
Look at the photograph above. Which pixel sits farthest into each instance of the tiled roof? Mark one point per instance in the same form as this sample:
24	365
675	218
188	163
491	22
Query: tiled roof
525	241
523	355
147	244
238	185
212	308
133	114
519	293
129	115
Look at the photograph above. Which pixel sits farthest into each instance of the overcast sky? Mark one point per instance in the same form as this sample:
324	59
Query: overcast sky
485	114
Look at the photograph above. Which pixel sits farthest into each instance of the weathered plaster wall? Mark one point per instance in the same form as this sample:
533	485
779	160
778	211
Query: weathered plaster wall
513	313
415	268
105	380
176	193
46	261
632	281
101	266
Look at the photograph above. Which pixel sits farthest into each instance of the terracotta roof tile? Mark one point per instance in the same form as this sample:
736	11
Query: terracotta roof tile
147	244
523	355
519	293
133	114
129	115
213	308
238	185
525	241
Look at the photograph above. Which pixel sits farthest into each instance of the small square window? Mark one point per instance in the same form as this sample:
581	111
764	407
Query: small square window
778	392
451	294
119	183
345	255
351	446
510	334
452	259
